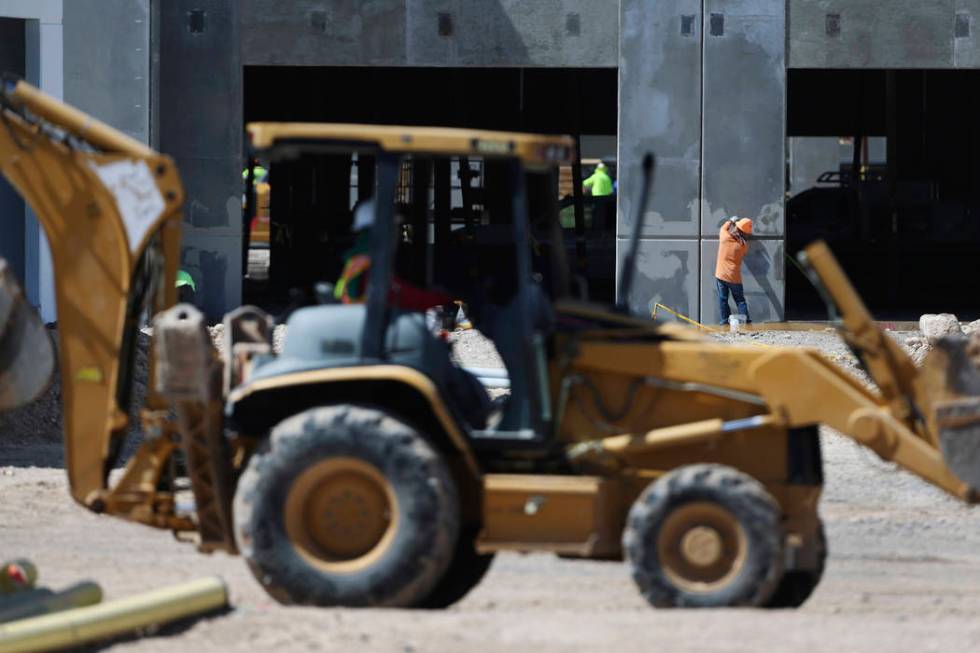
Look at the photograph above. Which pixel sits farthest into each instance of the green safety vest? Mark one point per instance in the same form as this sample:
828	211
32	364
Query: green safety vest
600	183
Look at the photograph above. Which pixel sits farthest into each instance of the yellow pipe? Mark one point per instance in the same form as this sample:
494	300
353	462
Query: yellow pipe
77	123
85	625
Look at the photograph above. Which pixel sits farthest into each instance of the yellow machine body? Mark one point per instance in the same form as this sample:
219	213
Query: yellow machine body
630	400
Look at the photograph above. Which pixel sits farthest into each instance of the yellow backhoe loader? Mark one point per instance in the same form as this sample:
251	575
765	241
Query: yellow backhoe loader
360	466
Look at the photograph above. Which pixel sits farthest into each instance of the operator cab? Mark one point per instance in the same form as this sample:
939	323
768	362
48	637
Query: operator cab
500	253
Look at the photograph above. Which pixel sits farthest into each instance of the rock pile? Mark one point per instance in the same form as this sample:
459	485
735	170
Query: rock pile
932	327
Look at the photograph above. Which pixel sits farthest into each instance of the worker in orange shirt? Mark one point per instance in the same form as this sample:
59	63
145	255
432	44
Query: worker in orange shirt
732	245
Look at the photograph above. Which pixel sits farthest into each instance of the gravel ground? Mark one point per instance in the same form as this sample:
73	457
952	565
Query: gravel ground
903	574
826	340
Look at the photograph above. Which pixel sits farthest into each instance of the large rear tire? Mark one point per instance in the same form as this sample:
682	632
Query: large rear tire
705	536
347	506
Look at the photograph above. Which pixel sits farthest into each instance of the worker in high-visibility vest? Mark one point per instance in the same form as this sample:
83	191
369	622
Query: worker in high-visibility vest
470	397
600	185
732	246
351	287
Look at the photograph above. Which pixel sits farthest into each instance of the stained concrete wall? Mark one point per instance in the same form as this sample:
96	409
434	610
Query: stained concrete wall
762	278
107	62
667	272
744	145
660	112
572	33
884	33
703	85
198	121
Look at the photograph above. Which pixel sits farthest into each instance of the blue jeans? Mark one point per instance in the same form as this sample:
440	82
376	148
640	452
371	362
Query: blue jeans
737	294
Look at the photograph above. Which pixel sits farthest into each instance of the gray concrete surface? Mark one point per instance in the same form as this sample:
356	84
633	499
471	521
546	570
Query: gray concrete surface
728	158
660	112
425	32
666	273
109	77
763	278
199	122
879	34
744	108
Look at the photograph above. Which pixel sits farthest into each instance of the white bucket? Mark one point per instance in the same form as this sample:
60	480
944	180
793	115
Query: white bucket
736	321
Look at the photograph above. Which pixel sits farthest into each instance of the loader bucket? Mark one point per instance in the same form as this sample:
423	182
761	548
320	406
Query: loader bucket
26	354
959	438
951	375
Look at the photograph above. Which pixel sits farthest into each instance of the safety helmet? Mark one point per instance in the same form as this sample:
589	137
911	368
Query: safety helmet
185	279
364	215
600	166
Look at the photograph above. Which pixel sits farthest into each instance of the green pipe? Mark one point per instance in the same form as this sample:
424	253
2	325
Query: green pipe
120	617
35	603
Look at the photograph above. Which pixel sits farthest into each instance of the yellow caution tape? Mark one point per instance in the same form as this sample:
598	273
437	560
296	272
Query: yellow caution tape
681	317
698	324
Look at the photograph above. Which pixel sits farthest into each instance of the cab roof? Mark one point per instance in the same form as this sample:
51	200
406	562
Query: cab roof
531	149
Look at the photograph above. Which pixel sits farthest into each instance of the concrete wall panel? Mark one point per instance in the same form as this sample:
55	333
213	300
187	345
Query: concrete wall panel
199	123
874	34
763	276
214	261
660	112
744	115
966	39
45	11
667	273
574	33
109	78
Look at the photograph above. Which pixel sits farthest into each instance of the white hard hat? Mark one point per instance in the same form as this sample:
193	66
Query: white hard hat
364	215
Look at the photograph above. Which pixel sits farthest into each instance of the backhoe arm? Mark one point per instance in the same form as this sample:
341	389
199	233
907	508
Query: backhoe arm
111	210
789	387
884	359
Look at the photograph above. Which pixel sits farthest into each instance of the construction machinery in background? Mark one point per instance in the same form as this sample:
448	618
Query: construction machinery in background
361	467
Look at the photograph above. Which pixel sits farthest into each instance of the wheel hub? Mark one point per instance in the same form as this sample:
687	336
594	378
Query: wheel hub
341	514
702	546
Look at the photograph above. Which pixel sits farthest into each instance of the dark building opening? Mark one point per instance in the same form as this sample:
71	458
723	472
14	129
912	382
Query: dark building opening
304	222
13	53
885	166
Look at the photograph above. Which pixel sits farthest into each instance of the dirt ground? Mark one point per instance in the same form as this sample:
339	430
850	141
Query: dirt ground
903	575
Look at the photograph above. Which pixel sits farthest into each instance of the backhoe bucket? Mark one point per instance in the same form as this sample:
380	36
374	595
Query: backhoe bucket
951	377
959	438
26	354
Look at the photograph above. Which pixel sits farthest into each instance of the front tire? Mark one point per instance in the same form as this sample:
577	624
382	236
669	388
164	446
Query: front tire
347	506
705	536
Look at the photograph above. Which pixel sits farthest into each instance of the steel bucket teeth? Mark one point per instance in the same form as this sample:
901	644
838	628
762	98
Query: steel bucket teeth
26	354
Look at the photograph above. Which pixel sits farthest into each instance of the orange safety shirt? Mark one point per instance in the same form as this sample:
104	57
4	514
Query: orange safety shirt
730	255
